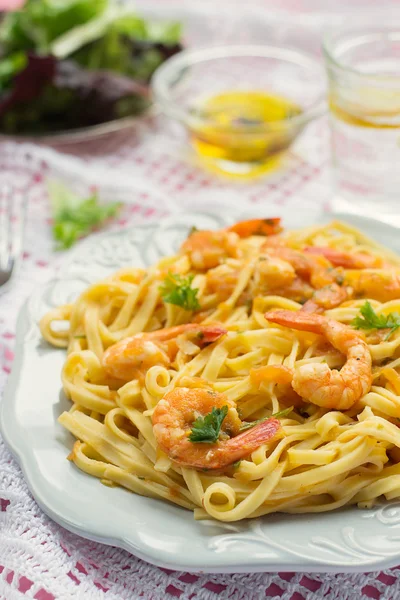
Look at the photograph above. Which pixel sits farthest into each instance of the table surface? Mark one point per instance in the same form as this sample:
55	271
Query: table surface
148	164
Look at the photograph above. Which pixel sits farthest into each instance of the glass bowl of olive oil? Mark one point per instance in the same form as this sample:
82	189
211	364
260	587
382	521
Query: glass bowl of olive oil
242	106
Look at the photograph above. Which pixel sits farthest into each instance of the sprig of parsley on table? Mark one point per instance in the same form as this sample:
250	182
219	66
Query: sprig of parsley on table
178	290
206	429
370	320
75	217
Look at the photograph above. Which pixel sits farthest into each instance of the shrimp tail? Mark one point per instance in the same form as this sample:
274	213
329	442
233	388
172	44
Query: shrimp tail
326	298
336	257
207	333
257	227
301	320
245	443
344	259
240	446
276	373
211	333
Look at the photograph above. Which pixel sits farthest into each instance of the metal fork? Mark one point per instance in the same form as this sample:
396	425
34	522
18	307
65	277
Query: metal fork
12	222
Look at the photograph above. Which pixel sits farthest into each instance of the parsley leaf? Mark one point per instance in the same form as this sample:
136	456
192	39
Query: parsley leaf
278	415
74	217
283	413
206	429
177	290
370	320
193	230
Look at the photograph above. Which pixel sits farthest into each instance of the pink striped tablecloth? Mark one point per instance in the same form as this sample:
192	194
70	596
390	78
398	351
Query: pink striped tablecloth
149	166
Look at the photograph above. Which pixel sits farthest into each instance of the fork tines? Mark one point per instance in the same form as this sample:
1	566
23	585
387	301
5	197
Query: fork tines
12	215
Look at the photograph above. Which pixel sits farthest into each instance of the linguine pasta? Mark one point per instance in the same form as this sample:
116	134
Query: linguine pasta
322	458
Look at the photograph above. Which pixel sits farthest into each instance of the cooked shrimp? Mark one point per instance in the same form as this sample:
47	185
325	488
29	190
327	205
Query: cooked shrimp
326	298
382	285
348	260
207	249
316	269
271	373
173	418
281	376
144	350
222	280
274	241
303	265
299	291
316	382
257	227
271	273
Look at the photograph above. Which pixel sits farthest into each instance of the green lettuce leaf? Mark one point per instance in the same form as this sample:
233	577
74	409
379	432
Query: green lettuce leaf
169	32
10	66
124	44
90	31
40	22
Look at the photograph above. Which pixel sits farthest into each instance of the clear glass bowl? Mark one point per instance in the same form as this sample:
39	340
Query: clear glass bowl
73	136
184	85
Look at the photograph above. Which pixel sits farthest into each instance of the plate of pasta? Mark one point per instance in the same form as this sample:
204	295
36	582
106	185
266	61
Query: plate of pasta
231	386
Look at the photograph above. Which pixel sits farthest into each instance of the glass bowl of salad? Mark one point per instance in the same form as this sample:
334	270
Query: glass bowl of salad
76	69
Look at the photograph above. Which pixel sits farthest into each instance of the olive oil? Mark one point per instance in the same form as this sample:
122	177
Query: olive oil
244	127
378	115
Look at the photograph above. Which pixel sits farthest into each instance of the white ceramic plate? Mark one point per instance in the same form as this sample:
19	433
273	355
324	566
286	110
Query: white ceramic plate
345	540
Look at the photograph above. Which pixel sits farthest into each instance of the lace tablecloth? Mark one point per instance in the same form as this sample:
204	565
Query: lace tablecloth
150	169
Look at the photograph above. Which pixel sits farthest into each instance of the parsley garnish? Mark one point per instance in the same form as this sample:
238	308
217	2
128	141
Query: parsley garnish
75	217
370	320
206	429
177	290
339	279
278	415
283	413
193	230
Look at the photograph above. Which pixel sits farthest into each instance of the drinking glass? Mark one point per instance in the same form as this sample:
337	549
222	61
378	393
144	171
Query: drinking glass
363	66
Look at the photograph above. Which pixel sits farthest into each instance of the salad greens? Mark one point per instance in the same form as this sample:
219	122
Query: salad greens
40	22
74	217
10	66
88	62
